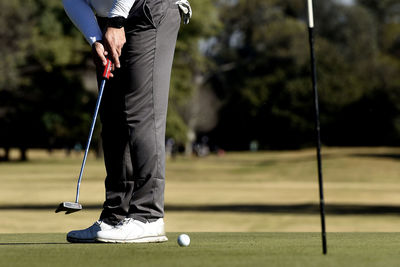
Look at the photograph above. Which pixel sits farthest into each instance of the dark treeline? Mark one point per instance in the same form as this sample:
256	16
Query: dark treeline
266	86
241	74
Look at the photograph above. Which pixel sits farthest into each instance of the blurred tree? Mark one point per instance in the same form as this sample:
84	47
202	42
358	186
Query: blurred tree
240	65
41	83
386	11
190	71
383	98
263	61
264	76
365	109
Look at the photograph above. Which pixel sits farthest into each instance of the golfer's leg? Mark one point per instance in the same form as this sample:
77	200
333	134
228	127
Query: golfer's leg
149	56
115	137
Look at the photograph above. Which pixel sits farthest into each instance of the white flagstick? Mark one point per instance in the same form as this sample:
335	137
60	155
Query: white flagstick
317	123
310	14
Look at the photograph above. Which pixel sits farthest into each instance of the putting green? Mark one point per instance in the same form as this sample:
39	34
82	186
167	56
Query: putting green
207	249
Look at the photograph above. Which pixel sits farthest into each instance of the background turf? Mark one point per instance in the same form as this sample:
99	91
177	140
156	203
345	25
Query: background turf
237	192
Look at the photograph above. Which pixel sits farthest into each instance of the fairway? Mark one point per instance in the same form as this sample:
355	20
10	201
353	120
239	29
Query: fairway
207	249
271	191
240	209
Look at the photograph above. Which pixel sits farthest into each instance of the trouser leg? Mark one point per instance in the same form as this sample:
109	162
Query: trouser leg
115	137
134	115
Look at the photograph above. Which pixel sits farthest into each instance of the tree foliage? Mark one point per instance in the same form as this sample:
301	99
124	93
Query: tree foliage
41	95
241	73
189	69
267	87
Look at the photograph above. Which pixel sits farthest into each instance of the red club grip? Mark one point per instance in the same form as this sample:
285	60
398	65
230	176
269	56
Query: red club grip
107	69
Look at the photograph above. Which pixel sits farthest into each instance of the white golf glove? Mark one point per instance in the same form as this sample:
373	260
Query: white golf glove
185	10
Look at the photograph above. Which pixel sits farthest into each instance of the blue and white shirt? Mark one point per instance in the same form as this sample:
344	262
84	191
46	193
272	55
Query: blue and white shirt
82	14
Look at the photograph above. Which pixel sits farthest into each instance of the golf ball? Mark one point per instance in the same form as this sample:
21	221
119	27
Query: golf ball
183	240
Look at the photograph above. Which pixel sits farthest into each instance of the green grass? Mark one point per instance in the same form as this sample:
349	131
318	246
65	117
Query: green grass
207	249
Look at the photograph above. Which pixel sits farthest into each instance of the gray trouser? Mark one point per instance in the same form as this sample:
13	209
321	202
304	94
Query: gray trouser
133	114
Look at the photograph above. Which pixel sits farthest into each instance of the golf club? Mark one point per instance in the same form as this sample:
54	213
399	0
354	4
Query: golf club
317	122
70	207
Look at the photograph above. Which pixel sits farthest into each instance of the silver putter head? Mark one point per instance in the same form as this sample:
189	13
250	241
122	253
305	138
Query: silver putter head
69	207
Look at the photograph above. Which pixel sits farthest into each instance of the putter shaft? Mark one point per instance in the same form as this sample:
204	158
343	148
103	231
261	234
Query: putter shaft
96	111
106	76
70	207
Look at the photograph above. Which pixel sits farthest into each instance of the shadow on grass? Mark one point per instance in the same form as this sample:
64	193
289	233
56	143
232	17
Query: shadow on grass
311	158
32	243
275	161
333	209
377	155
305	208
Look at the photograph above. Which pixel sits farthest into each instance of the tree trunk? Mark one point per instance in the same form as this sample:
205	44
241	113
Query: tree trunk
191	137
23	155
99	150
6	156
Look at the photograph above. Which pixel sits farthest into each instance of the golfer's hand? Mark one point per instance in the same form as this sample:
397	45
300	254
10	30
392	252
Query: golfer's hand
114	40
99	56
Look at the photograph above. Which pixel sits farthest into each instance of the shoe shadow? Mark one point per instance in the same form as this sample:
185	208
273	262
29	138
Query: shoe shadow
32	243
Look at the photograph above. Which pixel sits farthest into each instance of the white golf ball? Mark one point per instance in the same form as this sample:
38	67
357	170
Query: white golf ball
183	240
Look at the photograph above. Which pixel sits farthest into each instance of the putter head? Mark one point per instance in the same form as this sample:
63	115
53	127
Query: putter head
69	207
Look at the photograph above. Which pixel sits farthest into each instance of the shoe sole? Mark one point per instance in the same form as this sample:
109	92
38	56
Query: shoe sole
78	240
147	239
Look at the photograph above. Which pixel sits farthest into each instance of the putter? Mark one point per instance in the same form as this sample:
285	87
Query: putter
317	123
70	207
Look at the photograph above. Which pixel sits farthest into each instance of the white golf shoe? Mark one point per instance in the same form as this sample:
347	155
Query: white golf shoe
88	235
134	231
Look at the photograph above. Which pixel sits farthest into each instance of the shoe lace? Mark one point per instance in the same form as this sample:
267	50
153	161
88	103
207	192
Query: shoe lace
123	222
